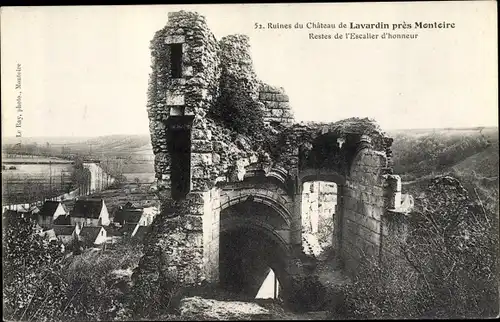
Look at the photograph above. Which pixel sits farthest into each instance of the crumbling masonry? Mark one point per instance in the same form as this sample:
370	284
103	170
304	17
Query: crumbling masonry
233	194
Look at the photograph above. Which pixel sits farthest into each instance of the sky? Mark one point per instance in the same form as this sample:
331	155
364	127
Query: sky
84	70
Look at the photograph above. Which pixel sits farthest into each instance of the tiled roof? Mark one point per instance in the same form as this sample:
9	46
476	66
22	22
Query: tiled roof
49	208
128	229
113	231
141	232
63	230
90	208
62	220
128	215
90	233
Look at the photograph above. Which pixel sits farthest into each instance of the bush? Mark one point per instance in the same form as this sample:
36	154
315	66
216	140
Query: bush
237	110
446	268
96	288
40	284
33	285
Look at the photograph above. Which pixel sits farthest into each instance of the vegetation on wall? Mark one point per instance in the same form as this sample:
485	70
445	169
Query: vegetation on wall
236	109
237	106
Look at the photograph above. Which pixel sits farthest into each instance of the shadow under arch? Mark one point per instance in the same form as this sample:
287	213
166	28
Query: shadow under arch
258	197
249	247
318	174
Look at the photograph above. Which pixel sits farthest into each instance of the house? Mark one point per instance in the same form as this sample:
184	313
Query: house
129	229
37	228
50	213
135	231
11	216
7	214
65	233
34	210
48	235
92	236
131	214
90	212
148	215
114	234
127	214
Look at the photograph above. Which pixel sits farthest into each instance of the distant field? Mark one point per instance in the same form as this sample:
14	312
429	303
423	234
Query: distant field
31	158
37	172
147	177
15	180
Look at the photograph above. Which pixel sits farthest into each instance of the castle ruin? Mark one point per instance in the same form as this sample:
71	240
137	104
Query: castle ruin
231	165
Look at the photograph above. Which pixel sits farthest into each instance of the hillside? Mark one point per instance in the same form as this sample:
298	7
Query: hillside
470	155
420	153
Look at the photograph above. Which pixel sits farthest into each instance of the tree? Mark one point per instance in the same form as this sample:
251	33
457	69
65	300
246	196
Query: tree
33	285
453	247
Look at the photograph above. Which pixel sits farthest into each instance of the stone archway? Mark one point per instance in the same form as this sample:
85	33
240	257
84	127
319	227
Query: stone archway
254	238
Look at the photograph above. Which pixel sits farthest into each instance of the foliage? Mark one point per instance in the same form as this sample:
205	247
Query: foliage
40	284
377	291
454	244
446	267
80	176
96	287
237	109
153	297
119	182
311	293
33	285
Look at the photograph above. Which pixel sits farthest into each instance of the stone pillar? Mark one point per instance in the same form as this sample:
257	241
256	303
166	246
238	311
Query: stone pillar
339	224
296	224
392	185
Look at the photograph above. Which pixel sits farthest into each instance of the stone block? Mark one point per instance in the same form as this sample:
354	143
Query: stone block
201	146
174	99
276	112
200	172
194	239
187	71
202	184
285	106
175	39
201	160
265	96
178	82
393	182
272	105
395	200
282	98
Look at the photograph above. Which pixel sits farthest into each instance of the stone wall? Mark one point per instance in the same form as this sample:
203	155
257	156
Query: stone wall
211	227
277	106
364	204
191	94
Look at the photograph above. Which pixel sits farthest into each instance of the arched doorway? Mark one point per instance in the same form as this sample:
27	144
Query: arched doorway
253	241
